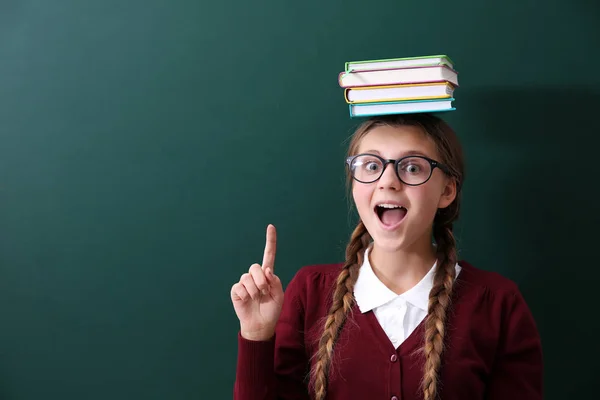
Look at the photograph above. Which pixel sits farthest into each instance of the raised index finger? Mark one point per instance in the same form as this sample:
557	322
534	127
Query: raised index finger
270	248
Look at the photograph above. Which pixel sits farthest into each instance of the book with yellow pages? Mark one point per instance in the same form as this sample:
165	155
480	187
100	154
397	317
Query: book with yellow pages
419	91
401	107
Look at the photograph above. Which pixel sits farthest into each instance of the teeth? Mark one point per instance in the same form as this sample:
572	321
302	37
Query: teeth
389	206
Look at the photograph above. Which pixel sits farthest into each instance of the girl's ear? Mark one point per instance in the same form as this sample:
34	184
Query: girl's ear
448	194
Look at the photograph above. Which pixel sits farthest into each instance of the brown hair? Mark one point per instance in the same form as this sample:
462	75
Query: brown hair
450	153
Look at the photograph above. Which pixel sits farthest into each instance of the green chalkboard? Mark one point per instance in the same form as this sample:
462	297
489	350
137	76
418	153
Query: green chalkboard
145	146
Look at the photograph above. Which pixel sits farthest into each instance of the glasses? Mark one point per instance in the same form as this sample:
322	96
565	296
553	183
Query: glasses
411	170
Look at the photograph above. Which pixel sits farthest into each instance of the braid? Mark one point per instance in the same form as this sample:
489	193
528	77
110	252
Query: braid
439	302
343	300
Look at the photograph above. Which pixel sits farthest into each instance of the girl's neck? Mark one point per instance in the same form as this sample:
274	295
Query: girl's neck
402	269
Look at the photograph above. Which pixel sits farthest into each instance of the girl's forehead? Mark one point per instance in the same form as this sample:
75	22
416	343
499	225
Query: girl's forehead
393	141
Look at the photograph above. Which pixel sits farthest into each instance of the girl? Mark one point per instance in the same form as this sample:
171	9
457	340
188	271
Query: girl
400	318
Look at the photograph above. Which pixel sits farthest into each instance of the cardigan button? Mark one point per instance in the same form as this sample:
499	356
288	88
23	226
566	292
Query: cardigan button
394	358
394	398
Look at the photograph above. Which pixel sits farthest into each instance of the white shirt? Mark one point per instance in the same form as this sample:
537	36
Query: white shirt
398	315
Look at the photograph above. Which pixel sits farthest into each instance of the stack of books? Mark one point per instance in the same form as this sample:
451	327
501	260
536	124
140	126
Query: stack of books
399	85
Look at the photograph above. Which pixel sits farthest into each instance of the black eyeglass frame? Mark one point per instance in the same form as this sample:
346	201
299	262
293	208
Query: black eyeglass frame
434	164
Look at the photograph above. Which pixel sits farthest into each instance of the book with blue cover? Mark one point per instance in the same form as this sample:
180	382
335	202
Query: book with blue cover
401	107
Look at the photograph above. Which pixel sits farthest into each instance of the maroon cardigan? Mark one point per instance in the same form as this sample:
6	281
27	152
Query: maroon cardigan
493	348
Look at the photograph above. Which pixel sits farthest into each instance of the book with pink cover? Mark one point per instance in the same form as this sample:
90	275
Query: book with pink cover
398	76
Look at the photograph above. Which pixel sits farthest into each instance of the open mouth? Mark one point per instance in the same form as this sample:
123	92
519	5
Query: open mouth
390	215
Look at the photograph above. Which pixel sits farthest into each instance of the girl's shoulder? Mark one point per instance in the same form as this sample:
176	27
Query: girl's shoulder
315	276
312	286
485	279
490	290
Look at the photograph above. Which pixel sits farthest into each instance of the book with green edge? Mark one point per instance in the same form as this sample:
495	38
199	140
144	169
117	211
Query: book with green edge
402	62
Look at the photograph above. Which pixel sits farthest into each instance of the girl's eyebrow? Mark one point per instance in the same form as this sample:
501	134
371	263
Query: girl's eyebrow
403	154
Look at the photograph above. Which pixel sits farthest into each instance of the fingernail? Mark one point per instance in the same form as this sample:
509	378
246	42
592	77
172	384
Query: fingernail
264	292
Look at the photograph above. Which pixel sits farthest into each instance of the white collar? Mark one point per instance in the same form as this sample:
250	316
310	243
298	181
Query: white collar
371	293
